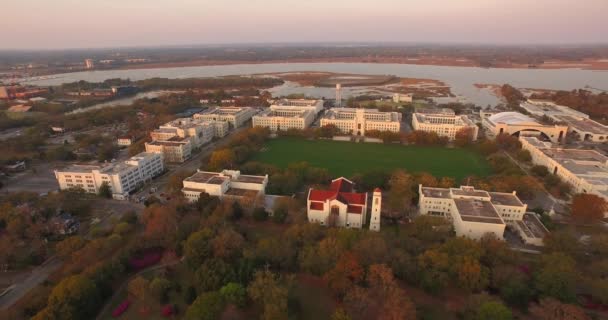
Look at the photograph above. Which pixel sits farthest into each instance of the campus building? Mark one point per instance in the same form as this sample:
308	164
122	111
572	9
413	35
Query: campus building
279	119
517	124
473	212
227	183
358	121
580	127
122	178
531	230
174	149
235	116
585	170
444	122
403	98
341	206
315	106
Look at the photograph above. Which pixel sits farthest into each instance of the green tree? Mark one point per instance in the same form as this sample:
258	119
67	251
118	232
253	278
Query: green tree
557	278
160	287
234	293
198	247
207	306
493	310
74	298
105	191
269	291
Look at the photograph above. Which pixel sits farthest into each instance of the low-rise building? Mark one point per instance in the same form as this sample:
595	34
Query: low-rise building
358	121
403	98
122	178
580	127
341	206
279	119
176	149
444	122
235	116
531	230
228	183
199	132
517	124
124	141
473	212
586	171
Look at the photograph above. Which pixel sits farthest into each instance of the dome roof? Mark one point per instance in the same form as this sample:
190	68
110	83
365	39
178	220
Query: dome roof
511	118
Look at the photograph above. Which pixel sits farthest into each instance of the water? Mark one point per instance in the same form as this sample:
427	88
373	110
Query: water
461	79
122	102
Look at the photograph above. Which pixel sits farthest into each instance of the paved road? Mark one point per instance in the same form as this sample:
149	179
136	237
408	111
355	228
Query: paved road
36	277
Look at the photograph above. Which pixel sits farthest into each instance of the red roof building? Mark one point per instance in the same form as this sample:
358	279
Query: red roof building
340	206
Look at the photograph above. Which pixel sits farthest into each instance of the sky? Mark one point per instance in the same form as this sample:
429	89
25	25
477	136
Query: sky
58	24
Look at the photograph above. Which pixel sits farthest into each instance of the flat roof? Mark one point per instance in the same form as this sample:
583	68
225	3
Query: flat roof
202	177
251	179
505	199
79	168
236	192
575	154
469	192
585	125
532	227
436	192
472	210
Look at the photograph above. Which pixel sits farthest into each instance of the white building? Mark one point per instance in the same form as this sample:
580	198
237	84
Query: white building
227	183
579	125
358	121
279	119
473	212
585	170
235	116
124	141
340	206
517	124
315	106
531	230
175	149
199	132
444	122
122	178
403	97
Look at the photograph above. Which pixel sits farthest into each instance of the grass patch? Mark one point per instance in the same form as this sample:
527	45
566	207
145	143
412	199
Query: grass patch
348	158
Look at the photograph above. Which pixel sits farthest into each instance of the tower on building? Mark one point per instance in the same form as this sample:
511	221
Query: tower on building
374	223
338	95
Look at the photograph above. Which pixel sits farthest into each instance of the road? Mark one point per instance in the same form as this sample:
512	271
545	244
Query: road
35	278
192	164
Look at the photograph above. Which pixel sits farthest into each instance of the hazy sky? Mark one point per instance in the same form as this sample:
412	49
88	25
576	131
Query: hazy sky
108	23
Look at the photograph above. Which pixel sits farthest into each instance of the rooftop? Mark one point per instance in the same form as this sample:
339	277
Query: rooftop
505	199
80	168
202	177
513	118
532	227
584	125
471	210
436	192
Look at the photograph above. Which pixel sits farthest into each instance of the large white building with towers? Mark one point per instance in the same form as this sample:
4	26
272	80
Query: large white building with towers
357	121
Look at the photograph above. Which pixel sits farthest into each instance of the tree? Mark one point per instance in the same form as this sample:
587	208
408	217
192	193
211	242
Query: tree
234	293
400	193
493	310
198	248
213	274
161	224
557	278
260	214
464	136
539	171
268	291
340	314
345	274
176	180
588	207
159	287
69	245
392	300
222	159
105	191
523	156
74	298
228	244
139	288
207	306
551	309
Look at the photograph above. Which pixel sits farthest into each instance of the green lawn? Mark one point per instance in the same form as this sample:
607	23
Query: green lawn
348	158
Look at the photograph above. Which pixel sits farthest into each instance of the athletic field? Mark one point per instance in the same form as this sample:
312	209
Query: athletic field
348	158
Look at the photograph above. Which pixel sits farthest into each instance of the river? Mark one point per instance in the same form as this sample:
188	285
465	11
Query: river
460	79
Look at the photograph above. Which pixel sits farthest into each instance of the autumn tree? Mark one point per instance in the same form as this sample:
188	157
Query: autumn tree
588	207
105	191
228	244
400	193
74	298
271	292
207	306
493	310
197	247
552	309
234	293
393	301
139	288
161	224
176	180
222	159
464	136
557	278
345	274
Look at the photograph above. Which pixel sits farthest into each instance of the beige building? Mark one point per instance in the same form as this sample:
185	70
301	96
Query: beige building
444	122
341	206
517	124
235	116
279	119
403	98
580	127
358	121
122	178
473	212
585	170
175	149
199	132
531	230
315	106
124	141
228	183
